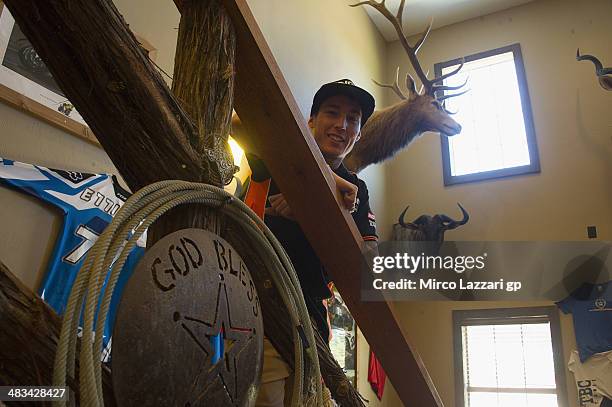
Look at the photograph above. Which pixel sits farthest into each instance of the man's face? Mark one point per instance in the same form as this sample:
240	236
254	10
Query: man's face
336	127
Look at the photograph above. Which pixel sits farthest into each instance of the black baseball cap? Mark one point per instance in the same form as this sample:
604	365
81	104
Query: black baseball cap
344	87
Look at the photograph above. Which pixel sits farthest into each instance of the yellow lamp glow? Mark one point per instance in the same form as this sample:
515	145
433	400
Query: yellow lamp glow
237	151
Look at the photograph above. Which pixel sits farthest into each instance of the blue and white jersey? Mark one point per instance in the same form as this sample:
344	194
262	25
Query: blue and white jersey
88	203
591	308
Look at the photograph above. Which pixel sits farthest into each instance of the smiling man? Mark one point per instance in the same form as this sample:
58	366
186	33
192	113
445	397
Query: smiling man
339	110
336	118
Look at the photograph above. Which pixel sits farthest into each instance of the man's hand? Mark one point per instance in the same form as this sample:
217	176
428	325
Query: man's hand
279	207
348	191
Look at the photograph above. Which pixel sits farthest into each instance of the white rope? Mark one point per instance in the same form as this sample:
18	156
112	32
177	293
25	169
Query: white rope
109	254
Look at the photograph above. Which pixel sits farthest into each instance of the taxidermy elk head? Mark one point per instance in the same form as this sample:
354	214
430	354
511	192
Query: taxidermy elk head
389	130
430	228
604	75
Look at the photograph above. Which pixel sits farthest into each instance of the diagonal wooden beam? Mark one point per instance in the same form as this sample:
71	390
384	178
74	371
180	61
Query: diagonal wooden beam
116	89
269	112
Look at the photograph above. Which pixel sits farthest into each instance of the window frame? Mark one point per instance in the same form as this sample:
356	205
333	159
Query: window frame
509	316
534	166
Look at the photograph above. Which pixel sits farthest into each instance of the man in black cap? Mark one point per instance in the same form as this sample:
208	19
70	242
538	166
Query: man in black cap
339	110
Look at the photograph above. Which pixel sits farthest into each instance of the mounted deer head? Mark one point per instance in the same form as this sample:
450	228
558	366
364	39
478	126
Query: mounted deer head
389	130
604	75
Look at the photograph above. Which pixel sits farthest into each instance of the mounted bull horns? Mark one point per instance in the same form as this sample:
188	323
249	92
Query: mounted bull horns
447	222
452	224
604	75
408	225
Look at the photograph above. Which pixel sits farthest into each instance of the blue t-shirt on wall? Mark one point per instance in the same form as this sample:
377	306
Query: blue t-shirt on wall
591	307
88	203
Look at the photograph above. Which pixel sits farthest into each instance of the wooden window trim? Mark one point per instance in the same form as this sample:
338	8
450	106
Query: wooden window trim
534	166
500	316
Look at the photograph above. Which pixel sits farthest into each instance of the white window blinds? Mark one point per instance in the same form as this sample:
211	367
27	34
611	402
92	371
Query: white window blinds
508	365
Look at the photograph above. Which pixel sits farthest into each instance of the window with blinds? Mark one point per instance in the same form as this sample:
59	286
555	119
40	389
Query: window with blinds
497	137
506	361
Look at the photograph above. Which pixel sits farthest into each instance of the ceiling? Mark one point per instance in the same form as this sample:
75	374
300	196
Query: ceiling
417	13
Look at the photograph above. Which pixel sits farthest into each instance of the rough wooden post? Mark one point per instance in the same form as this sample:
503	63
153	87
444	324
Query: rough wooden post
203	82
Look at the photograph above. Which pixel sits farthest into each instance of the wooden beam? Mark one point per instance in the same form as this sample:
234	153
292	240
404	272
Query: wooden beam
30	332
268	111
98	63
205	88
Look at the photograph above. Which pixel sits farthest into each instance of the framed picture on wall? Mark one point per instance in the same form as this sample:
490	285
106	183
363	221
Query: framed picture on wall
343	344
27	85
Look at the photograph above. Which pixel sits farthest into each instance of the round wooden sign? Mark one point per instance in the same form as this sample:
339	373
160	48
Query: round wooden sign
189	330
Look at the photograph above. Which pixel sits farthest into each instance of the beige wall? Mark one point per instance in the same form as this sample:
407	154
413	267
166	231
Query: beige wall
573	130
572	123
156	21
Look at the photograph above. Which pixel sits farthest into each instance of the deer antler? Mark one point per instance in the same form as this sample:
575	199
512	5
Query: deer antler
396	21
421	40
395	86
442	77
440	87
441	98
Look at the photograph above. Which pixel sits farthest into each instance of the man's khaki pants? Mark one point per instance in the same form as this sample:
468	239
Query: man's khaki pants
273	378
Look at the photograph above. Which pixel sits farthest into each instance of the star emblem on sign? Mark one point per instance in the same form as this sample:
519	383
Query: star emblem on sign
231	340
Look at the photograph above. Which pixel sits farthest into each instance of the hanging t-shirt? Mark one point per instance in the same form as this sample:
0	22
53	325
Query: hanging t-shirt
591	308
376	376
593	378
88	203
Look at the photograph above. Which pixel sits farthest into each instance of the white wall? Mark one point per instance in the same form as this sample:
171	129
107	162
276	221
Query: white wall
572	123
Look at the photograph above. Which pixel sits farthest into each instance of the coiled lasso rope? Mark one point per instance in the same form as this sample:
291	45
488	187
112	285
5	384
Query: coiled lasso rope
111	251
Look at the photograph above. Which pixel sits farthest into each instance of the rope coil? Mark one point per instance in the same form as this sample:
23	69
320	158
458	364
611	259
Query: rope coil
110	252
